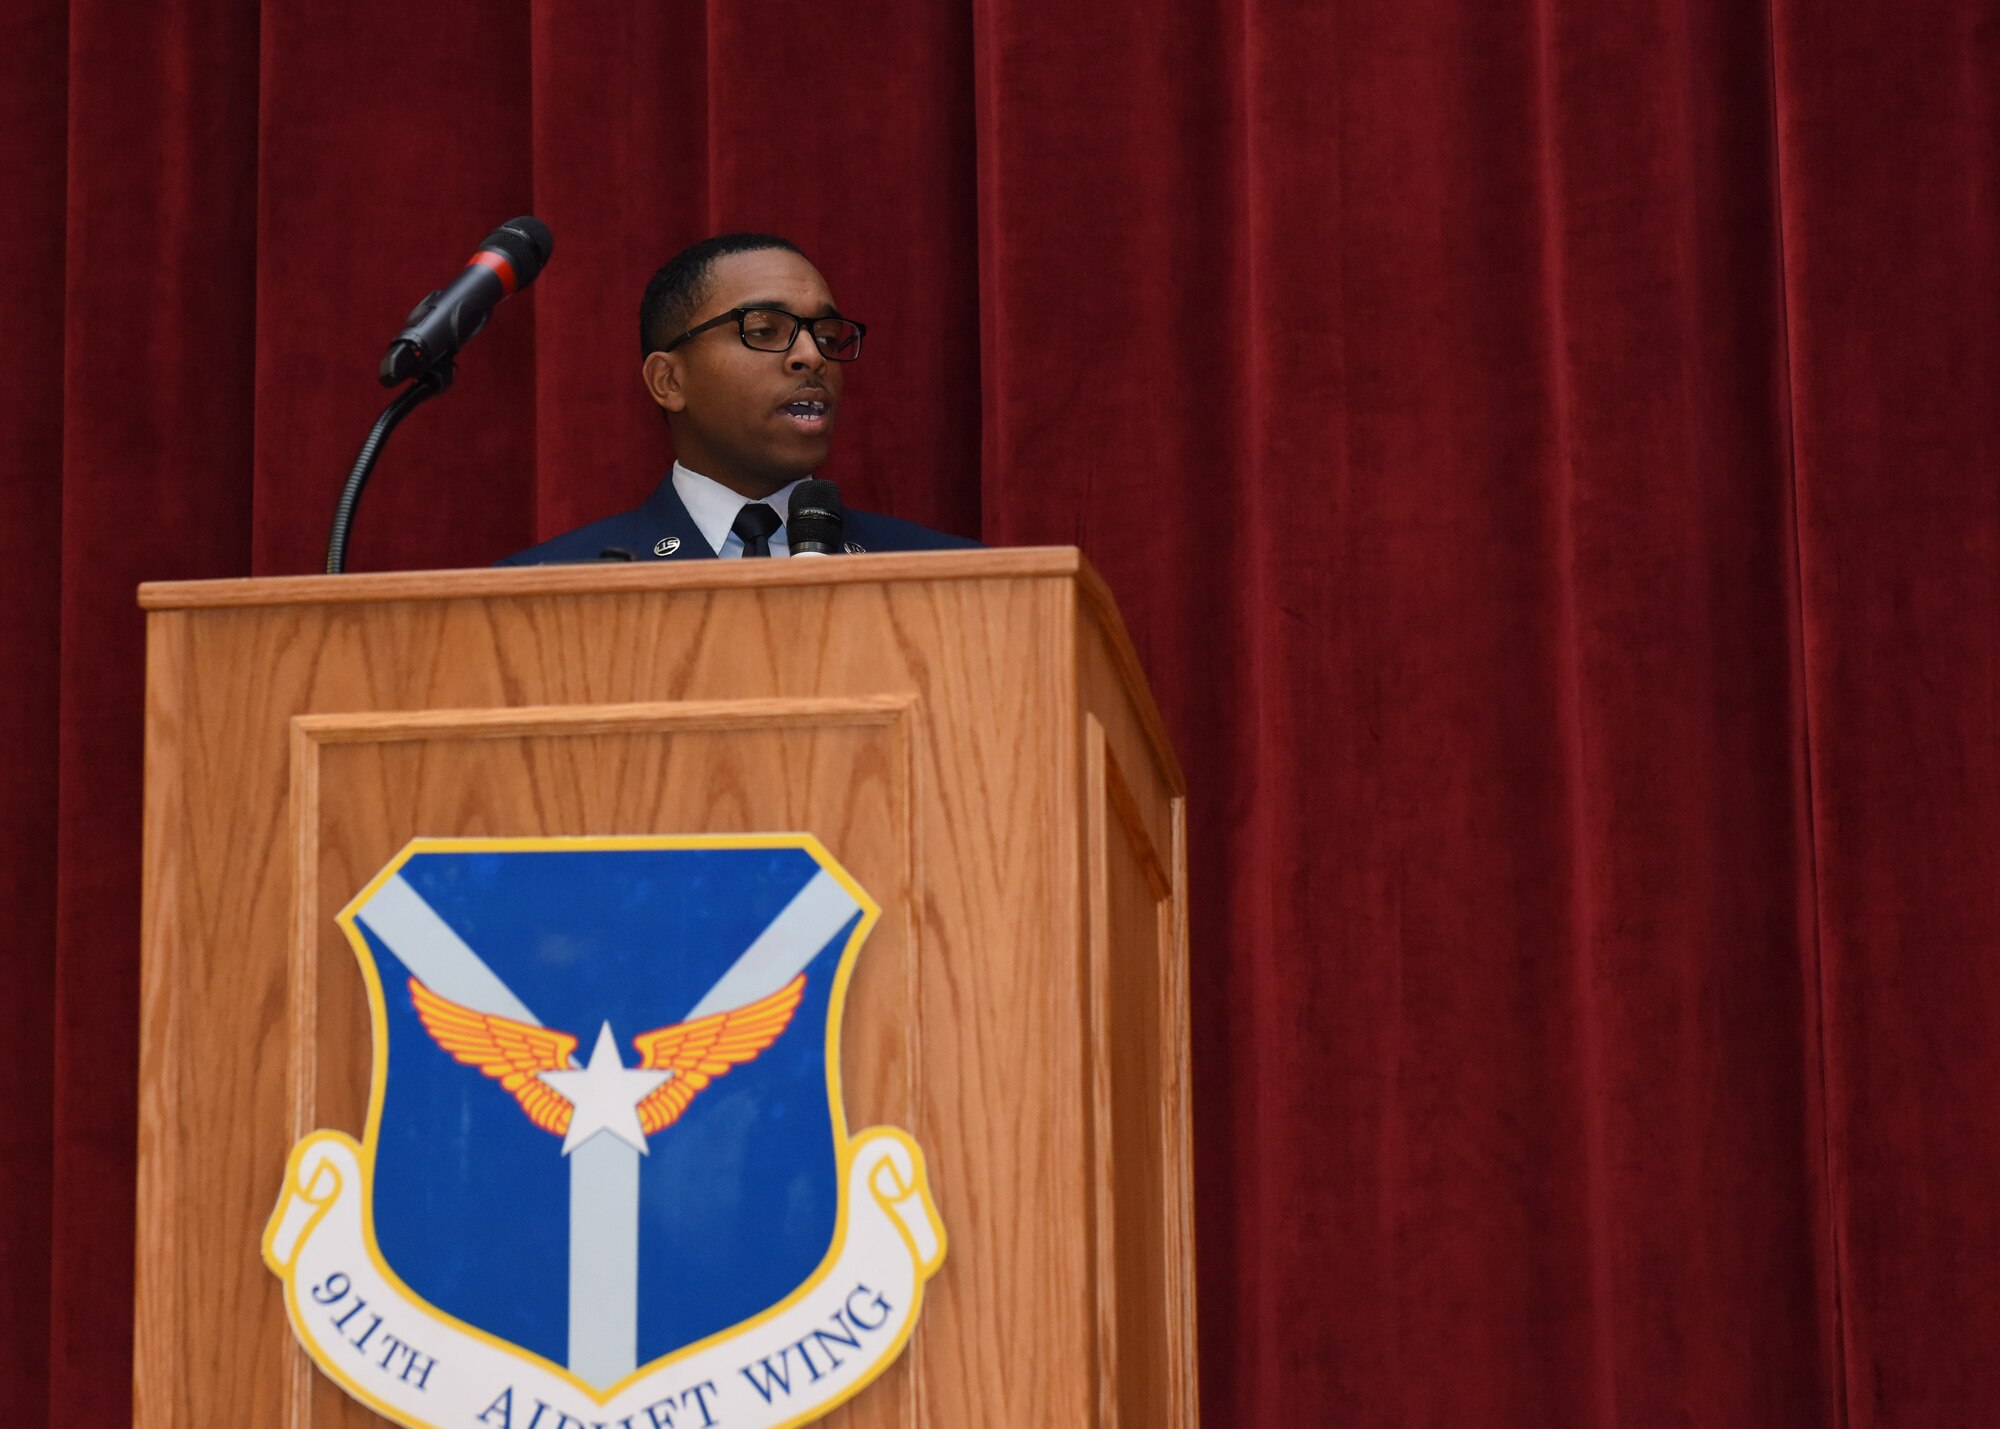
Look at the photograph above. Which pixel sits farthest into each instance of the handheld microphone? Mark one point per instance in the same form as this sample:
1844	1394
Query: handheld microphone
813	527
509	260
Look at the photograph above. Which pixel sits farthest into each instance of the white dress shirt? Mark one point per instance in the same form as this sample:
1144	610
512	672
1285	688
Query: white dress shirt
714	506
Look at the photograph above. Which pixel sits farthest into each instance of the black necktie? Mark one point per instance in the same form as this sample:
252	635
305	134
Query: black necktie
754	525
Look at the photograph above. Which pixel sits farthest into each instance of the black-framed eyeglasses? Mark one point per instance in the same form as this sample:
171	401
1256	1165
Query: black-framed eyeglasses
775	330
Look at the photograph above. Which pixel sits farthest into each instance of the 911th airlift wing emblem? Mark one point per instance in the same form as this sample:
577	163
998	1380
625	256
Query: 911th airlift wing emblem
731	1256
537	1064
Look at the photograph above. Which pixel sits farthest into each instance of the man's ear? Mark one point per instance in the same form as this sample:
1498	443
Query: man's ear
664	373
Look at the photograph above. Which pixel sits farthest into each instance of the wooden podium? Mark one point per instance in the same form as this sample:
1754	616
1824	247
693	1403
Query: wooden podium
968	733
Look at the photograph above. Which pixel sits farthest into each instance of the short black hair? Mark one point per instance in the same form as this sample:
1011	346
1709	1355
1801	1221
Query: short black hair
677	290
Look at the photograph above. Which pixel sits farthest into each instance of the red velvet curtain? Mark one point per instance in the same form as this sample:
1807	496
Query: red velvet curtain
1545	451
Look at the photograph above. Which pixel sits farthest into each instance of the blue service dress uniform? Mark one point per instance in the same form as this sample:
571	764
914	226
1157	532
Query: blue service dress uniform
661	529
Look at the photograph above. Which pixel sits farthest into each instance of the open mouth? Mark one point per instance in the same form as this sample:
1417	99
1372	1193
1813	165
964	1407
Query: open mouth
808	414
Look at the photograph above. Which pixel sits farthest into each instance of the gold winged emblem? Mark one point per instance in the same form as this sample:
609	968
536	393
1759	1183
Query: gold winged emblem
693	1053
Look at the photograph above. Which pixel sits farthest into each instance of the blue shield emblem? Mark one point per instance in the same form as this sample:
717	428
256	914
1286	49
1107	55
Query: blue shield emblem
606	1135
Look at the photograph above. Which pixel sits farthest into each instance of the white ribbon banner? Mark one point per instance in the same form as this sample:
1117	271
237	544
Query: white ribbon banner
419	1367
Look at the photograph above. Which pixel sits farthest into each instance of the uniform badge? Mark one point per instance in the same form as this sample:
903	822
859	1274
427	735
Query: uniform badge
666	545
854	548
606	1176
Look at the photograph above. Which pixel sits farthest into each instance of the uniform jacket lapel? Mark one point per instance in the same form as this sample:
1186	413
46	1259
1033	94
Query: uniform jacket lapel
671	532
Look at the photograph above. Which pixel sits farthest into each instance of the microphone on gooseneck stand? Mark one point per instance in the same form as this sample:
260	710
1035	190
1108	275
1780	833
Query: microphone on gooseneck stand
813	527
510	259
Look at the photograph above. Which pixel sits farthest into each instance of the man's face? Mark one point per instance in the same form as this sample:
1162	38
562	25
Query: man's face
740	416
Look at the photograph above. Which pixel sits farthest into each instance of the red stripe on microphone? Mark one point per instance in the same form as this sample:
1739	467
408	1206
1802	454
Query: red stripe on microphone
487	258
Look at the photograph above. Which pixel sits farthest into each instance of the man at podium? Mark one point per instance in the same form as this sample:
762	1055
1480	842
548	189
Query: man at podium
745	353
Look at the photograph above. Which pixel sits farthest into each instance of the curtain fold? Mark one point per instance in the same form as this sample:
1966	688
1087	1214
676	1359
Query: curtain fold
1890	158
33	48
157	371
1544	453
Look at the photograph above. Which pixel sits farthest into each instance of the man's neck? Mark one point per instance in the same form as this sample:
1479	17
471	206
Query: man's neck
750	488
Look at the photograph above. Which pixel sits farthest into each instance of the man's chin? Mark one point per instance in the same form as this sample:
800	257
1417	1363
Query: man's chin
801	458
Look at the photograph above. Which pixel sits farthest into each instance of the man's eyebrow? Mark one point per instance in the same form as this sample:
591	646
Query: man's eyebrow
826	309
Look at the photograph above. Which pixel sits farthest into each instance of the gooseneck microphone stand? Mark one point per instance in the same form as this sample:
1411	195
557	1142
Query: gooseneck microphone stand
426	385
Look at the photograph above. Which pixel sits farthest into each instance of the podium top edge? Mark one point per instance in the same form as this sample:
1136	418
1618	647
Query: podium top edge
614	578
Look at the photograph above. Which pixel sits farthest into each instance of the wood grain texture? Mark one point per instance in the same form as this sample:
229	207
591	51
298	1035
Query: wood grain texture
1131	941
932	725
1140	793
